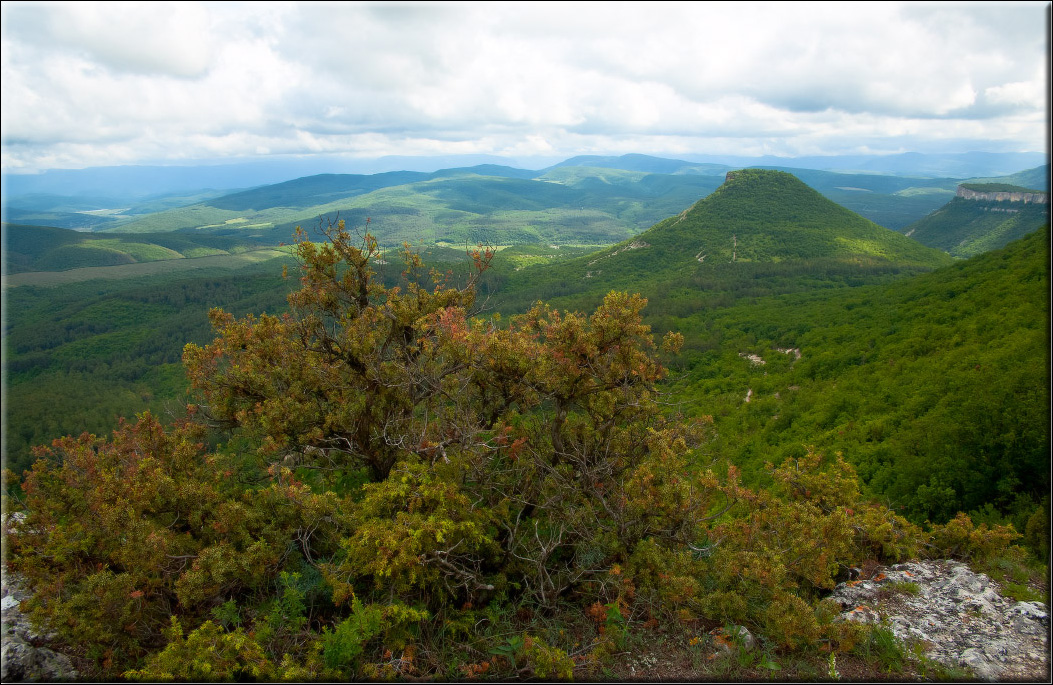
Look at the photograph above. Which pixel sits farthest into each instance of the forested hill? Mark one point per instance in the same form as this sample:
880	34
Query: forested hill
760	225
936	387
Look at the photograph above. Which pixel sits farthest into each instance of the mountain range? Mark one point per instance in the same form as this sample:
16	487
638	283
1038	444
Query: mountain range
868	341
172	198
581	201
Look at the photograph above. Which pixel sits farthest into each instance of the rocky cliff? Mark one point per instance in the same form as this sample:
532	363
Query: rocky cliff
1026	197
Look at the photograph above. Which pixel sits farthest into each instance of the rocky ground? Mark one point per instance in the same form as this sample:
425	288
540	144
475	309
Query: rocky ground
958	617
25	656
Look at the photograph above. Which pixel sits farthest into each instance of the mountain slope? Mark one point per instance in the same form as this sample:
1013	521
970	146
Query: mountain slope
770	216
936	387
761	229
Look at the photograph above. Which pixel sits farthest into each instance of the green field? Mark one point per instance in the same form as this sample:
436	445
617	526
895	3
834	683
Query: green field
137	270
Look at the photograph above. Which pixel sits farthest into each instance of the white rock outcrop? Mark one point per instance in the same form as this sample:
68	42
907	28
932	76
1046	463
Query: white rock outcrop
960	617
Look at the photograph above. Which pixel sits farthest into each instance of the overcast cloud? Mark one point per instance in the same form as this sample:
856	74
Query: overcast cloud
89	84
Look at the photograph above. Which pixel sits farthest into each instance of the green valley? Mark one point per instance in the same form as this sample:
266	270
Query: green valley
29	248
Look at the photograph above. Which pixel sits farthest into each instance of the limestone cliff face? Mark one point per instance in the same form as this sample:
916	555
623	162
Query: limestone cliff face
1001	196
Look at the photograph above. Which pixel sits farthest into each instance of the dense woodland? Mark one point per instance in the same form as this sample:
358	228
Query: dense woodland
367	469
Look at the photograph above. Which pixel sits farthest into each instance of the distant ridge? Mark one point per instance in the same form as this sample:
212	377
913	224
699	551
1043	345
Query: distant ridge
312	190
645	163
1037	178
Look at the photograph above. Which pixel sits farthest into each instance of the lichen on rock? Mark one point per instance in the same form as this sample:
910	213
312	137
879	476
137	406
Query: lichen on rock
25	658
958	616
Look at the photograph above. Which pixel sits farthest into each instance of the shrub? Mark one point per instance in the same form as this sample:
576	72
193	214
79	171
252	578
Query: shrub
206	654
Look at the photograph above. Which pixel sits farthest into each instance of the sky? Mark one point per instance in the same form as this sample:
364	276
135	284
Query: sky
99	84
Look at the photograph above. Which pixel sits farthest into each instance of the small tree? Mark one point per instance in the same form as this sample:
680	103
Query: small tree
536	451
352	377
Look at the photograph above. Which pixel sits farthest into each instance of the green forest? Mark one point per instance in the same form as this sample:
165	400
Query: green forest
356	462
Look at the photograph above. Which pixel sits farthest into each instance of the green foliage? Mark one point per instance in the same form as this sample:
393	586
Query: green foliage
510	649
615	626
962	539
1036	533
417	534
882	648
342	646
342	380
779	550
547	663
1022	593
228	614
279	625
905	587
119	533
206	654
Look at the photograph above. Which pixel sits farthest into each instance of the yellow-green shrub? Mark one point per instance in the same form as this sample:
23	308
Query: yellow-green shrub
206	654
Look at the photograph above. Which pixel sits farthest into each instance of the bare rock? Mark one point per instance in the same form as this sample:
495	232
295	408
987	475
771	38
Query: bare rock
736	637
24	654
958	615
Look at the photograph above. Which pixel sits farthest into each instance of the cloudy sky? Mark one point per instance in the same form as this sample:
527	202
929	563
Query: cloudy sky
92	83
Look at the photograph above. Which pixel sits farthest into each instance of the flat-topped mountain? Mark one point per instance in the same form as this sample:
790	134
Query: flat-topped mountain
982	217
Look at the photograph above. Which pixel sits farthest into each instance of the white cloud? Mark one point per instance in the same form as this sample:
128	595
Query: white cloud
167	38
91	83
